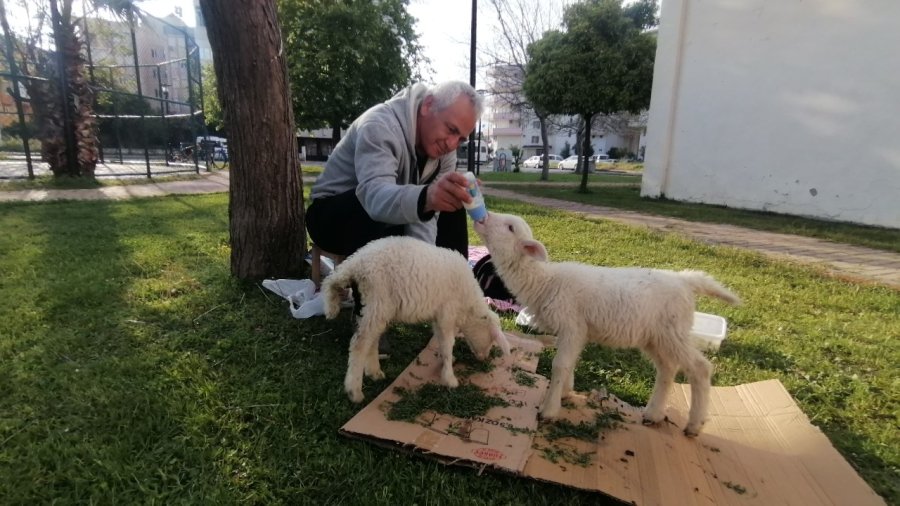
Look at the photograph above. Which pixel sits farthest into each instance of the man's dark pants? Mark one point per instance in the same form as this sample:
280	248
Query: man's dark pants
340	225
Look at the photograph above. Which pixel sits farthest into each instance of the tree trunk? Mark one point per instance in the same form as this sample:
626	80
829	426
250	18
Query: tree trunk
585	149
81	103
268	237
545	171
335	135
579	140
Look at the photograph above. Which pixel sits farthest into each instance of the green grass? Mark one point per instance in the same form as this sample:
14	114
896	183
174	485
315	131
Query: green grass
309	169
556	177
629	198
134	369
80	183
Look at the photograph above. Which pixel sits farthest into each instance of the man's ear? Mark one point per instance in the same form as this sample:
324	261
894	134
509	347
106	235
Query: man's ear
427	106
534	249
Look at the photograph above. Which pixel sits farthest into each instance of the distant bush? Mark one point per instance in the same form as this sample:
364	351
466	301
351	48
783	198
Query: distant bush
13	143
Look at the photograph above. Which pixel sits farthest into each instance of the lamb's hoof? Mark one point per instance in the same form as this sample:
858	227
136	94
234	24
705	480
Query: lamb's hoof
375	375
451	382
693	429
652	421
548	414
356	396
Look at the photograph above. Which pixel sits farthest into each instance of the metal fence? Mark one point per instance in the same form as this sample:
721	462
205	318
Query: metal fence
146	84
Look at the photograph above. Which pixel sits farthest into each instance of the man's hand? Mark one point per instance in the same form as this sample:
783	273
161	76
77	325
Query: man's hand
447	193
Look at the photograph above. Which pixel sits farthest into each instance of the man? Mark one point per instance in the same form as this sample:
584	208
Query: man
395	169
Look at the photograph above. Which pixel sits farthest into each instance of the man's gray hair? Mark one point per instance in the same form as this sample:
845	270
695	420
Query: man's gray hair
446	93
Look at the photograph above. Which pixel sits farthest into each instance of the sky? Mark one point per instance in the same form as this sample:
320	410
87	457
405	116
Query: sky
444	28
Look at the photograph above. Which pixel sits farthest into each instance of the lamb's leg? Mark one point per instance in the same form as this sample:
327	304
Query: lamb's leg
373	365
445	331
699	371
568	348
365	338
666	369
569	387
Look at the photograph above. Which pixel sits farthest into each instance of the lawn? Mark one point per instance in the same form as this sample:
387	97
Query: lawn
50	182
557	177
134	369
629	198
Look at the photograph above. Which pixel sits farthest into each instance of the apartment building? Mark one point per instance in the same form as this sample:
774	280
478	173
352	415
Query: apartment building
512	123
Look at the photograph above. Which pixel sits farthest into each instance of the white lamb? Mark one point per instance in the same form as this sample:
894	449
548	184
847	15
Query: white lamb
649	309
401	279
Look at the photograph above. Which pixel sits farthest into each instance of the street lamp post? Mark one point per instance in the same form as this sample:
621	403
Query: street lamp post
165	94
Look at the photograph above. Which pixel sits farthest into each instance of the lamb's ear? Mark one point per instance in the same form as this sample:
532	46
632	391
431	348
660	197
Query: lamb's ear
534	249
500	339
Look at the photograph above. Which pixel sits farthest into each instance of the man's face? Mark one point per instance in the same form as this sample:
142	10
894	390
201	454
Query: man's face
440	132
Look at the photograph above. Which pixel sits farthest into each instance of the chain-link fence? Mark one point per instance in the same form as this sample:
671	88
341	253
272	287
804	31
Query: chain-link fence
140	105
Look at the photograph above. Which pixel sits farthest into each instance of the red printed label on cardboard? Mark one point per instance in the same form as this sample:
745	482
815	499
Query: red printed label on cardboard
488	453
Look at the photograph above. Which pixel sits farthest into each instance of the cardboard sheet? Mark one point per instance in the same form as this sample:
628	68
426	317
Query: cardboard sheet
757	447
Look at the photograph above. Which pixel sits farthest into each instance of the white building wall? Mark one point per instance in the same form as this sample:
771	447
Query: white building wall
778	105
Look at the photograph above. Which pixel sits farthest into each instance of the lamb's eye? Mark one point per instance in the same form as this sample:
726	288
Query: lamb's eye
511	228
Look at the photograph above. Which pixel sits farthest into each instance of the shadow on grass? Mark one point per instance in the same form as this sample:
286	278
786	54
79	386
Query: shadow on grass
762	357
144	373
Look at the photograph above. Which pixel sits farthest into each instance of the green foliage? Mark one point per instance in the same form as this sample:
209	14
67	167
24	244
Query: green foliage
516	152
616	153
14	143
346	56
643	13
566	150
212	109
607	61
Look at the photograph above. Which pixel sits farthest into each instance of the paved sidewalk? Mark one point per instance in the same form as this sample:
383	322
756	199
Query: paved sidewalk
843	261
209	182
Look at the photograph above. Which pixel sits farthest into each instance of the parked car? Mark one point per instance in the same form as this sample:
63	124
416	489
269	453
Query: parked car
601	158
537	161
570	163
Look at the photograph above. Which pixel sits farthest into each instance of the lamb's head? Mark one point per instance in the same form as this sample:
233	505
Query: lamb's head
509	237
482	331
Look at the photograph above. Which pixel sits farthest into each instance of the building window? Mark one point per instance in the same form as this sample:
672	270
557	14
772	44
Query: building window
536	124
535	139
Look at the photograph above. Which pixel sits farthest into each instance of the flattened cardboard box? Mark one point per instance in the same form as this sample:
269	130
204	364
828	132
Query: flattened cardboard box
757	446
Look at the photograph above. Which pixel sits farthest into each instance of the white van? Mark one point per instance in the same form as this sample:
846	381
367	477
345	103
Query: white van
462	154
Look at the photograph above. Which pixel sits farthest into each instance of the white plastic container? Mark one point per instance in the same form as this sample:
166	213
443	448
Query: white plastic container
476	208
708	331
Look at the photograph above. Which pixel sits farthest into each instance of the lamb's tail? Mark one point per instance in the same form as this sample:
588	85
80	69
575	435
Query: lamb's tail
332	287
703	283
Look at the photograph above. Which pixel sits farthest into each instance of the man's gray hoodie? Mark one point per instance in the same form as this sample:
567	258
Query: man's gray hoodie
377	157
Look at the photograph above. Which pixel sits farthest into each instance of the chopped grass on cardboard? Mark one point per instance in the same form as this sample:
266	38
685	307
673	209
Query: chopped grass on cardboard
555	454
523	378
464	401
467	364
740	489
585	431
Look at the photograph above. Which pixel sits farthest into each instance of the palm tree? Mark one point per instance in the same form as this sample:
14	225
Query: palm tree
63	102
